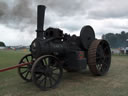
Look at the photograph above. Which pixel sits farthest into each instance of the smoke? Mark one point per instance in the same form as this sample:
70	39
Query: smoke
18	15
3	8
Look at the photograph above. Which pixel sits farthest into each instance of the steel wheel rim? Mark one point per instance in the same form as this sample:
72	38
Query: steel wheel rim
46	77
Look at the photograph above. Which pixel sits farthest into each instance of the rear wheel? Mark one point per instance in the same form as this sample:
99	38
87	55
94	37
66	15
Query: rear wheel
99	57
47	72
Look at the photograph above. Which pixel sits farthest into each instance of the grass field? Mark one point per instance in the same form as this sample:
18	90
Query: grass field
115	83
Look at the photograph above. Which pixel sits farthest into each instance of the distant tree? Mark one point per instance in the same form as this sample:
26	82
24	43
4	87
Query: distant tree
112	39
2	44
117	40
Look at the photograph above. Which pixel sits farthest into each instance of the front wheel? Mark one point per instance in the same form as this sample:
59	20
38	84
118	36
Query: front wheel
25	71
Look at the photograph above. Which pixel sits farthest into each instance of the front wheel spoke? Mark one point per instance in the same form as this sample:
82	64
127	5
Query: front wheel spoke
24	72
27	74
31	58
27	59
22	62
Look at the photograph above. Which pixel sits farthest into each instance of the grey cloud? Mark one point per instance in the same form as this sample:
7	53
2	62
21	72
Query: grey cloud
104	14
67	8
22	13
3	8
109	9
118	26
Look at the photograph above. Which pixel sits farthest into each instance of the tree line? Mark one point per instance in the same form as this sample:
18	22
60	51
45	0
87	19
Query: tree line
117	40
2	44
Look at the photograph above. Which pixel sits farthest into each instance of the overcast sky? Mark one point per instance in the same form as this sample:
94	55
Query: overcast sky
18	17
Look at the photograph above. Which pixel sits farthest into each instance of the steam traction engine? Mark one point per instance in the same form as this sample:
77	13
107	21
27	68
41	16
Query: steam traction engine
52	51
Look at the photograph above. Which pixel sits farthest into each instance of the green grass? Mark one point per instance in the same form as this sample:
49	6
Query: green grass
115	83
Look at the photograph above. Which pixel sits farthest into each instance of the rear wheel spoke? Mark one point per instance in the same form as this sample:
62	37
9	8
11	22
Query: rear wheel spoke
99	66
54	69
41	81
50	80
45	62
53	78
55	74
45	82
39	76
